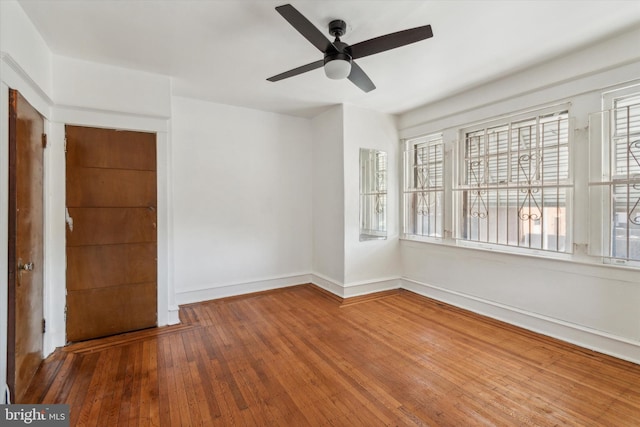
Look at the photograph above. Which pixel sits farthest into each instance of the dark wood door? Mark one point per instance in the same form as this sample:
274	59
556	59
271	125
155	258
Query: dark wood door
25	291
111	232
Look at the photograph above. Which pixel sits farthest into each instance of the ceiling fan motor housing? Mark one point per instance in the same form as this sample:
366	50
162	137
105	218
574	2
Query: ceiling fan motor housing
337	28
344	52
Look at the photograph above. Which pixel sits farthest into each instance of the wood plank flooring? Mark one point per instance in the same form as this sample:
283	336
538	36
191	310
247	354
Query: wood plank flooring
295	357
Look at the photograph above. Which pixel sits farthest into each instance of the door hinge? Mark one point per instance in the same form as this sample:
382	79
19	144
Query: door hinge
65	144
44	326
44	140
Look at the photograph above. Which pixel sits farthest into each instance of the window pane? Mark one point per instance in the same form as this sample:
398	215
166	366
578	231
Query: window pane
373	194
625	171
627	115
423	187
536	219
625	239
516	183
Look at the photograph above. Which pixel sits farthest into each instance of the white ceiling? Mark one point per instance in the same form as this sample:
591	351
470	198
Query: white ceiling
223	51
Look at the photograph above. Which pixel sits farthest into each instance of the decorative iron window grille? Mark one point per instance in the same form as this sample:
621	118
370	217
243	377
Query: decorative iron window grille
423	186
515	184
618	131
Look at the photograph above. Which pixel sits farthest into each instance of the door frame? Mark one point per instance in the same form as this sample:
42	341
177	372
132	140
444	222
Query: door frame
55	222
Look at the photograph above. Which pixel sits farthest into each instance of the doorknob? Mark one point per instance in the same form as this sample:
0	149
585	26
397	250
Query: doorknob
26	267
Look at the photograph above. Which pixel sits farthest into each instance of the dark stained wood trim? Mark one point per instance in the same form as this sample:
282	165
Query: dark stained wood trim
12	229
92	346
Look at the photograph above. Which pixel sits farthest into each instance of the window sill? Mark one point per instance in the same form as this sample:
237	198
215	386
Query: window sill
580	257
424	239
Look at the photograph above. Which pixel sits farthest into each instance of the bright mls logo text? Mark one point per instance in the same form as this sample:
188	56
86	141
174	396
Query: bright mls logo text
30	415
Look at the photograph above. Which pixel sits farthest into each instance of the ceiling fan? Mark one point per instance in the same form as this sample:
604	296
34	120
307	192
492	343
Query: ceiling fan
339	57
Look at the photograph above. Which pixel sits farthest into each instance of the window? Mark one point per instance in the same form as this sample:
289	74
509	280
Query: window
515	183
423	186
373	194
618	181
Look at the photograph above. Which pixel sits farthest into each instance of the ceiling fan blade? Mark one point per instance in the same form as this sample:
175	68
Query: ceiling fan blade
360	78
296	71
304	27
390	41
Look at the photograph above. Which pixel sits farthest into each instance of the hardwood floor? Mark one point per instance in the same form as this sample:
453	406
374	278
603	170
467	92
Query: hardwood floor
297	357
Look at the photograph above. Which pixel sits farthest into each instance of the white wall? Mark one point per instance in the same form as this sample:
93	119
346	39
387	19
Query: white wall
20	40
328	199
571	74
93	86
25	65
372	264
342	263
242	199
580	299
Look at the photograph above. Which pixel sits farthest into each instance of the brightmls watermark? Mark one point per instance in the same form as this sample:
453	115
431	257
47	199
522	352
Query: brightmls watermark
34	415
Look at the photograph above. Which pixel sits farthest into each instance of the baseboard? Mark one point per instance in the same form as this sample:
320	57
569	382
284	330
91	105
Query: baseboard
364	288
327	284
356	289
173	316
599	341
342	291
325	293
51	341
346	302
234	289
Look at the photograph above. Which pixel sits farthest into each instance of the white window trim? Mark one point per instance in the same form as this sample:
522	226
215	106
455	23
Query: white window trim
599	175
407	145
458	185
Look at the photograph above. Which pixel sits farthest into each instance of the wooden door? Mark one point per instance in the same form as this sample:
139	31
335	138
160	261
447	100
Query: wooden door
111	232
25	291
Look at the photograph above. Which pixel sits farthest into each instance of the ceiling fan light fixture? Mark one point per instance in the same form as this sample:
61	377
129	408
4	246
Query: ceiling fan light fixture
338	66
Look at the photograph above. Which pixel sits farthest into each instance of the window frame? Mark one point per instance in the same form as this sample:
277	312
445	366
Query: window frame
373	194
409	146
461	184
602	179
